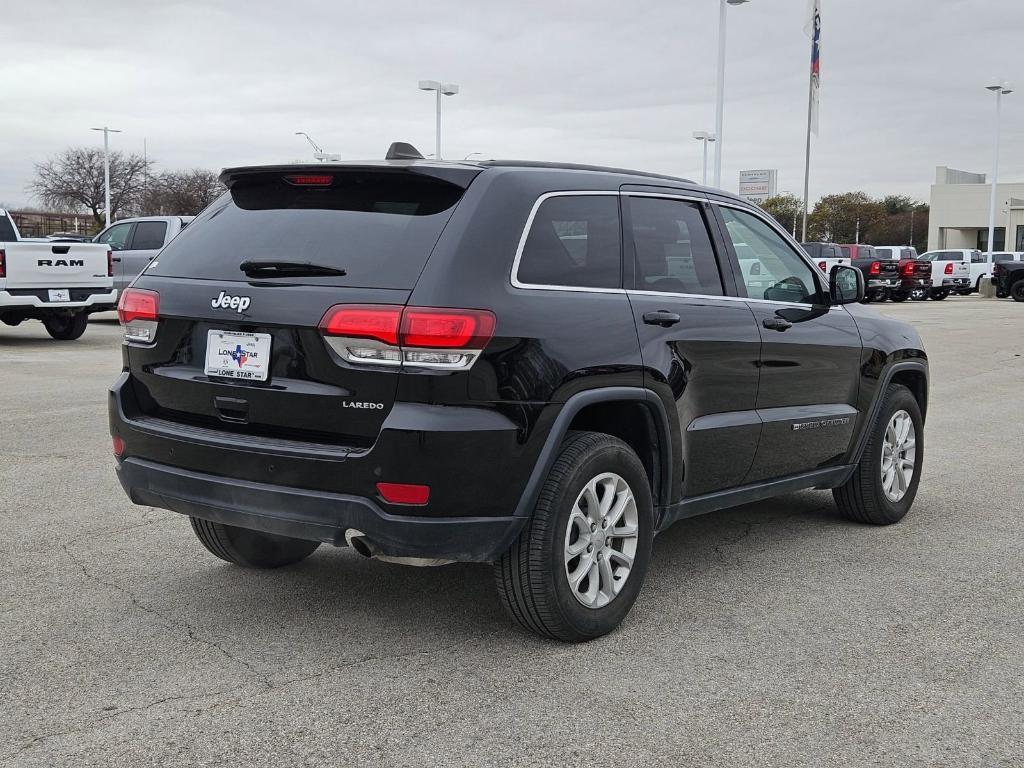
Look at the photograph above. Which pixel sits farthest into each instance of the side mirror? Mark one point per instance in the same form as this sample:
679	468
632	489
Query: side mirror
845	285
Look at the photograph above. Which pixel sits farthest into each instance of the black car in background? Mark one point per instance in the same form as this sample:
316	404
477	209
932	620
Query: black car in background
534	365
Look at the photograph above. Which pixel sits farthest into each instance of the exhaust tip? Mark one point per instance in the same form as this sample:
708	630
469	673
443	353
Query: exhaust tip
357	540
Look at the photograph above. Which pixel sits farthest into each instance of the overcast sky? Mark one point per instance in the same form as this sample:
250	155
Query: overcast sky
215	84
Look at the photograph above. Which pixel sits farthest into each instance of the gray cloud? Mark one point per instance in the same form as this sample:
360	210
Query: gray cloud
221	83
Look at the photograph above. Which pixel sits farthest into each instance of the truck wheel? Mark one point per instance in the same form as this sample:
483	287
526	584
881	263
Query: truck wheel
66	327
899	296
1017	291
884	484
577	567
918	294
940	294
251	549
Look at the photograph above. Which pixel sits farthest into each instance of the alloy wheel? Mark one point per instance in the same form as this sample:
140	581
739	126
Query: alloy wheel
601	540
899	455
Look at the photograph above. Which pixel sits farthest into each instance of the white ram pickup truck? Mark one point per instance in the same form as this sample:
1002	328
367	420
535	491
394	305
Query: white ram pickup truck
951	271
60	283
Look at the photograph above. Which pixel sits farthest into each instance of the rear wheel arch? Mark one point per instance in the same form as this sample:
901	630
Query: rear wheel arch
613	411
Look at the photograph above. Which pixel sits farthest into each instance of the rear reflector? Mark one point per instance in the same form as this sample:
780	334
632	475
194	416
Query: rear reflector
118	446
138	310
310	180
404	493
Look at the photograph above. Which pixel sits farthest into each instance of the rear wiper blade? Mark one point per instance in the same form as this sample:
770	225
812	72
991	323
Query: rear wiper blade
288	269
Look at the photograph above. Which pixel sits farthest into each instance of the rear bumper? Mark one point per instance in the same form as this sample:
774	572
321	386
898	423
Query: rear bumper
883	283
84	298
315	515
915	283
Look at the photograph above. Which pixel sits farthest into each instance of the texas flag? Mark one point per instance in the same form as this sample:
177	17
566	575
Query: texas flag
813	31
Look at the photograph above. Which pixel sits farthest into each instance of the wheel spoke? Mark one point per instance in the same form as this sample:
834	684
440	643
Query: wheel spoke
607	577
593	504
621	557
625	497
593	584
608	496
582	569
624	532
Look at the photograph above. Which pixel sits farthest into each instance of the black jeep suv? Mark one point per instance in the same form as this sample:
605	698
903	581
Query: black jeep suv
533	365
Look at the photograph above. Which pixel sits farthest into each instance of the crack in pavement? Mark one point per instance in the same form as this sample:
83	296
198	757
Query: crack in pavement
265	683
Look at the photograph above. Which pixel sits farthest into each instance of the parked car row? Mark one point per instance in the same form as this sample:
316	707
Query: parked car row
63	278
899	273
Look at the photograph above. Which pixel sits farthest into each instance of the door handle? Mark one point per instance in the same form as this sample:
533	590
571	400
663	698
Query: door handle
661	317
776	324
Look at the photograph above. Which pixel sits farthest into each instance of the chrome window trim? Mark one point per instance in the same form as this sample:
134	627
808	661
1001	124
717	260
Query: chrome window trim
514	276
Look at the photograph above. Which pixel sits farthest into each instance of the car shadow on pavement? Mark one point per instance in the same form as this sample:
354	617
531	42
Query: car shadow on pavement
337	603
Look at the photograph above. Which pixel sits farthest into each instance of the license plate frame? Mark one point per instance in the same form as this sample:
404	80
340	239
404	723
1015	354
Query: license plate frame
237	355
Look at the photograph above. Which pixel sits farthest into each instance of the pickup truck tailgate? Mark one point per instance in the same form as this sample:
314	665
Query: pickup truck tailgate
56	265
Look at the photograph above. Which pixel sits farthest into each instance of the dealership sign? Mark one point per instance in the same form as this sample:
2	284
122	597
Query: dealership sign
758	186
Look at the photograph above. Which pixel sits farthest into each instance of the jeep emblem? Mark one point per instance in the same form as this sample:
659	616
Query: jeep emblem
237	303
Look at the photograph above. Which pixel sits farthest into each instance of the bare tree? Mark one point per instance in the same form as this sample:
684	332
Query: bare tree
181	193
73	180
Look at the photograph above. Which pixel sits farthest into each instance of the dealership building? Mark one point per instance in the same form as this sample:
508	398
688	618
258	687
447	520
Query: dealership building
960	212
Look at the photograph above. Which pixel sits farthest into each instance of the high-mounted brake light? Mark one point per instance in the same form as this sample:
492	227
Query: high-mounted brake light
424	337
139	310
875	268
3	263
310	179
110	263
949	268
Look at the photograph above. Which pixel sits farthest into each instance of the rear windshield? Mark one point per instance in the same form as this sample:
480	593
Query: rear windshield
7	234
379	227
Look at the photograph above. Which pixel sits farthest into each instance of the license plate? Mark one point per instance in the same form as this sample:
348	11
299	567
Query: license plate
237	355
60	294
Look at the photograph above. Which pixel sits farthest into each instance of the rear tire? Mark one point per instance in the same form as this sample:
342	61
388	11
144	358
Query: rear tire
66	327
558	578
1017	291
899	296
250	549
864	497
940	295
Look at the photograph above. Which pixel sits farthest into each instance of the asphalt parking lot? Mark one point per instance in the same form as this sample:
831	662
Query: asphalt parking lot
772	634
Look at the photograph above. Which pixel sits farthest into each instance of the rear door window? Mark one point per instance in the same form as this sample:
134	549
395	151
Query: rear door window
377	226
149	235
672	248
574	241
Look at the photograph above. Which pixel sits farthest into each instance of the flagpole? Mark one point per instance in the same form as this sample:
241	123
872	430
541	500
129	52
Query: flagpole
807	157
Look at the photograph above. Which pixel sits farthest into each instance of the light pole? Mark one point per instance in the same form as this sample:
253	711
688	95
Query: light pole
443	89
704	137
1000	89
720	96
106	170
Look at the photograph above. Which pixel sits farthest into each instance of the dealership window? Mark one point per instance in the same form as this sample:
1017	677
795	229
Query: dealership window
574	241
999	242
1020	238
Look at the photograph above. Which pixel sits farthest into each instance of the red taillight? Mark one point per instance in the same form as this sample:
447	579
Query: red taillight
118	446
310	180
404	493
446	328
426	337
949	268
138	304
379	322
907	270
110	263
821	265
875	268
3	263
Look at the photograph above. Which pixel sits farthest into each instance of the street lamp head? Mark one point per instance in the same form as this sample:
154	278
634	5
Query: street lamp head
701	135
449	89
1007	90
996	84
429	85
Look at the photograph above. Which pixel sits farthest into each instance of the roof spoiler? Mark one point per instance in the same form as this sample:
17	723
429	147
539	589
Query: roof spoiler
400	150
